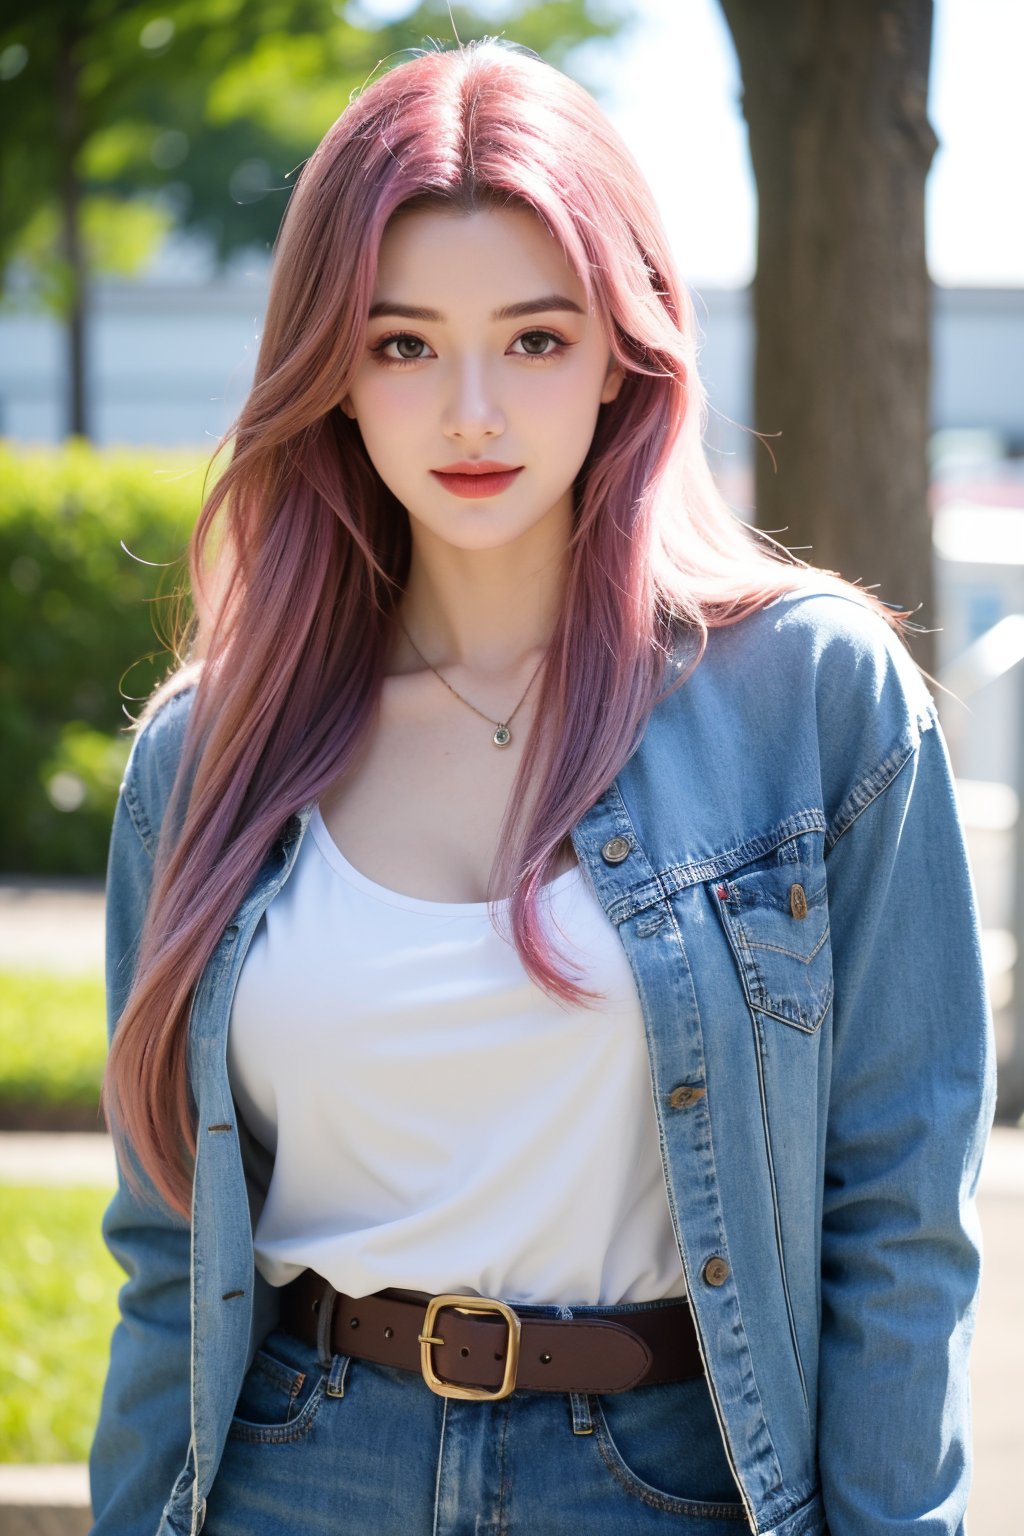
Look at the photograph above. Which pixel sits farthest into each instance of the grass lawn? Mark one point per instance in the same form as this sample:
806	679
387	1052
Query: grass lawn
58	1306
53	1044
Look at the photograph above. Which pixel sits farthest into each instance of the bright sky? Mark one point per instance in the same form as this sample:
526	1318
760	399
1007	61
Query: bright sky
673	92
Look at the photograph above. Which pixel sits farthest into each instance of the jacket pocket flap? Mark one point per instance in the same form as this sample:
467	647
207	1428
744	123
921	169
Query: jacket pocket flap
775	914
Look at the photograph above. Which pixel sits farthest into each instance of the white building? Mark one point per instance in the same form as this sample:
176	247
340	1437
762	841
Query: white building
170	361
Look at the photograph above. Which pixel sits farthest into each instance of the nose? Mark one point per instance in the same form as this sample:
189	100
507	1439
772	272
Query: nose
472	412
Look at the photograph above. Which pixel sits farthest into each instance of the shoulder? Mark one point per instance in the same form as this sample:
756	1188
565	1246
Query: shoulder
155	755
822	641
844	638
816	684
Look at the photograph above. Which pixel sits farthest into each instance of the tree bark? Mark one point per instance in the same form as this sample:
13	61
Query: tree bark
835	98
69	134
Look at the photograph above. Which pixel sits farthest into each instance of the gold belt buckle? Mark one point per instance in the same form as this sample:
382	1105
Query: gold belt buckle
469	1304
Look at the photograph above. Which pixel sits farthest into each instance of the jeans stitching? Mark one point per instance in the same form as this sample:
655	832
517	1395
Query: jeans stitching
504	1478
671	1503
281	1434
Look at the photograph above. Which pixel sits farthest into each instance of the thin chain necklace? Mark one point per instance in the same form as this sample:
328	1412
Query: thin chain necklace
502	735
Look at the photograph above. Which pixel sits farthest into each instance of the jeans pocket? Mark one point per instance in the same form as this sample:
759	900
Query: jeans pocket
663	1445
281	1393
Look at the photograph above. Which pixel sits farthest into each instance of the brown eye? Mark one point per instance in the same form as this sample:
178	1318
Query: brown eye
536	342
400	348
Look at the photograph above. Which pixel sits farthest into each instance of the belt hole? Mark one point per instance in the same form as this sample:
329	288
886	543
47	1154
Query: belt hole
545	1359
463	1352
353	1322
498	1355
389	1333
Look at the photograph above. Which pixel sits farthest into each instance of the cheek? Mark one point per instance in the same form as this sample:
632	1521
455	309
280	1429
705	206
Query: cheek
573	389
383	414
566	411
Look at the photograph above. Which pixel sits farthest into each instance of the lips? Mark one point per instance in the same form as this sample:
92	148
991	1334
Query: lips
476	467
485	477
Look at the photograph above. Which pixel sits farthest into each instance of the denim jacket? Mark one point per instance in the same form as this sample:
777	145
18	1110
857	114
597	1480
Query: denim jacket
783	861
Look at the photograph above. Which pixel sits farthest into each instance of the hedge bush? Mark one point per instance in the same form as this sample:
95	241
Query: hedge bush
83	629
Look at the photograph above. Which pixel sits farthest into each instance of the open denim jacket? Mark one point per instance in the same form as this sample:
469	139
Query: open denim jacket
783	861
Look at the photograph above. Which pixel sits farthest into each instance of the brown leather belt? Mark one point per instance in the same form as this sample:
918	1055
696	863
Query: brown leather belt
476	1347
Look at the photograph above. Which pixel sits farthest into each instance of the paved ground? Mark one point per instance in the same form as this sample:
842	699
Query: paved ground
61	926
53	925
69	1157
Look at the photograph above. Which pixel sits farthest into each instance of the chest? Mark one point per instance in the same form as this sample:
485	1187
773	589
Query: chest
421	809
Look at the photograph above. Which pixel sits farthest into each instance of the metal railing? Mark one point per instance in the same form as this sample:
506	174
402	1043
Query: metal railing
993	655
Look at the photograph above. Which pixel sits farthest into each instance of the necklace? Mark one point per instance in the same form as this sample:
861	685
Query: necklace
502	735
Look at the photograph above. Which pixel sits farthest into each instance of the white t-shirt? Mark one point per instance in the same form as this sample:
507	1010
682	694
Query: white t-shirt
438	1122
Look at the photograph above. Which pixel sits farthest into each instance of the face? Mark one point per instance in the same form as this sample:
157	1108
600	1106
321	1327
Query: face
480	356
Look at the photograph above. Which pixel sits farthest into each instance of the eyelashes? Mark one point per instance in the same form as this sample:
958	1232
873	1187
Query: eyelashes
388	341
387	360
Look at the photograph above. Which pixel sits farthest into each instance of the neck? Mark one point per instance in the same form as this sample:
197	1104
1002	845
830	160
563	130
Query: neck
488	611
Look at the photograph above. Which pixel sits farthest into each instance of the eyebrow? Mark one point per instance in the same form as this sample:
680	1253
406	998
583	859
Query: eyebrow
544	305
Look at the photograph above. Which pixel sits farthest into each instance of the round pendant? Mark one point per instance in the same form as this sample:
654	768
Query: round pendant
502	736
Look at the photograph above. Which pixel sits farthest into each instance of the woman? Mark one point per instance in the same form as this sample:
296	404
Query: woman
688	1118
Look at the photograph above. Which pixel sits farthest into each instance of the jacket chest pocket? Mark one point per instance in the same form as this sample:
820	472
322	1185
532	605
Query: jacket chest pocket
775	915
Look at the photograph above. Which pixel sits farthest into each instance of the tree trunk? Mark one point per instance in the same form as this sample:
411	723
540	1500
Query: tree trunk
69	135
835	97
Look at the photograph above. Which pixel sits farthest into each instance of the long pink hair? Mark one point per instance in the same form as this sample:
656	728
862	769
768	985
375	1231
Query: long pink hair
296	593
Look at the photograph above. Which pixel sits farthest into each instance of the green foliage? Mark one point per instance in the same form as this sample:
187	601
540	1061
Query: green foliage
58	1307
84	630
210	106
118	238
53	1040
85	770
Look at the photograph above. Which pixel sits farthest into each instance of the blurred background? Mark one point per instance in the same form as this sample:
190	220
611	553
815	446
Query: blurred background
837	183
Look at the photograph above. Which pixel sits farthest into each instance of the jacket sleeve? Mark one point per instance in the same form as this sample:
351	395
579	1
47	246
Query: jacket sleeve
143	1435
911	1102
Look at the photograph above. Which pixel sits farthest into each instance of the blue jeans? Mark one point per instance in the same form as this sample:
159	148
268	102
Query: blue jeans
348	1448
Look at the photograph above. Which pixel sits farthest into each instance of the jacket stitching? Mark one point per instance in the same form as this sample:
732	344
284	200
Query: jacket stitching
137	815
752	1391
677	877
872	785
130	792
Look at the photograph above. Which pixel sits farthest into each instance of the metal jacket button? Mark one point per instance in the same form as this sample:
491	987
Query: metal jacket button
716	1271
685	1095
798	901
615	850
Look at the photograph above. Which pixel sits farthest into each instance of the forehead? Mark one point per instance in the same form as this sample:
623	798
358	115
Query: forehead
502	254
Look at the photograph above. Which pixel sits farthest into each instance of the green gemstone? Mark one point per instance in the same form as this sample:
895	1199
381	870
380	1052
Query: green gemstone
502	736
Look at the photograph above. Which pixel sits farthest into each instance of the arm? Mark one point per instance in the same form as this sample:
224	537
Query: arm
144	1428
910	1108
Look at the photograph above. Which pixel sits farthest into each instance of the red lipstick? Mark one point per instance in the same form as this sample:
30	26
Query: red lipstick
476	478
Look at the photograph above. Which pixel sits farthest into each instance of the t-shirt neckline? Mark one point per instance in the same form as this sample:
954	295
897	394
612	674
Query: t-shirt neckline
354	877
